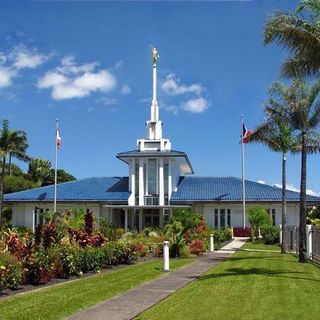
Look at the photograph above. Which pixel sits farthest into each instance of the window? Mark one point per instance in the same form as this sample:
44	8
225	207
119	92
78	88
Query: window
166	216
228	217
165	178
222	218
151	201
273	217
152	176
272	213
216	218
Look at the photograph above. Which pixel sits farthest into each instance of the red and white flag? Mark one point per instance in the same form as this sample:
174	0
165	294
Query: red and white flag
58	139
245	134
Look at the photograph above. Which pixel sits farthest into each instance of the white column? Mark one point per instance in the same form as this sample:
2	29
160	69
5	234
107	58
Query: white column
309	241
125	219
161	183
141	182
280	226
33	220
166	266
132	197
169	180
211	243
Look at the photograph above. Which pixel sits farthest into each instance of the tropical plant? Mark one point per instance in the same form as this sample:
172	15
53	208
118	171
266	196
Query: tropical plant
13	143
188	218
39	170
278	136
300	33
298	103
258	218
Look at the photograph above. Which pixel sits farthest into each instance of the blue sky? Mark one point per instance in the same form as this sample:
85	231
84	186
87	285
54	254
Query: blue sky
88	63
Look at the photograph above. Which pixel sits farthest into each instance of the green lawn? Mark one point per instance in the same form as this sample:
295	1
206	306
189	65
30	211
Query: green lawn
63	300
249	285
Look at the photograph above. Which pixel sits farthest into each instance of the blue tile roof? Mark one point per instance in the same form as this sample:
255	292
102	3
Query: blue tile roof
190	189
90	189
193	188
138	153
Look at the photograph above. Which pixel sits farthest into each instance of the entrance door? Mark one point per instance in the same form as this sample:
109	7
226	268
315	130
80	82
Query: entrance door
151	217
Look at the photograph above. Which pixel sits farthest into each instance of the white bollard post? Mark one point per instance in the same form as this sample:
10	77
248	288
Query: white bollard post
280	226
309	241
211	243
232	234
259	233
166	266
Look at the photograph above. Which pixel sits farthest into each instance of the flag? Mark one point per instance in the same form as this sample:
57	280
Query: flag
245	134
58	139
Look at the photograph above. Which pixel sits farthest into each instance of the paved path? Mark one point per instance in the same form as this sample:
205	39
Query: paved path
133	302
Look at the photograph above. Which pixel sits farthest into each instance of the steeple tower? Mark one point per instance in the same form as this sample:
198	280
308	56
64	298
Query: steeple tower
154	140
154	125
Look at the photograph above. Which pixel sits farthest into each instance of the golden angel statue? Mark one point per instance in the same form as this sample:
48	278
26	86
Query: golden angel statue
155	55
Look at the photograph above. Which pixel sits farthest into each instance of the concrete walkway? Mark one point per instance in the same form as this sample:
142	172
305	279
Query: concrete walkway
133	302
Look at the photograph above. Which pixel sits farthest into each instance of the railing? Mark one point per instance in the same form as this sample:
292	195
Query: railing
315	251
312	241
292	237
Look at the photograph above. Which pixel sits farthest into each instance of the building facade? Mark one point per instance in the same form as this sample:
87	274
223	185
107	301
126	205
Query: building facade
160	180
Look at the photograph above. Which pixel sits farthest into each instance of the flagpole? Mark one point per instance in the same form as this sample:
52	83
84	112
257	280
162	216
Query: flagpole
243	176
55	169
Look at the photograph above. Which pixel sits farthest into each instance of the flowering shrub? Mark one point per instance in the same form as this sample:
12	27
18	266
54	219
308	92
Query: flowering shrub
88	222
10	271
141	249
241	232
84	239
196	247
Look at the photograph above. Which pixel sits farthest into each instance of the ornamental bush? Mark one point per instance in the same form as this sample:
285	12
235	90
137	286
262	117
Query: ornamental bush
10	271
270	235
196	247
241	232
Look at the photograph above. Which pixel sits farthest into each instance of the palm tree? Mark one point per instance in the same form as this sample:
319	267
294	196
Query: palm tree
39	170
277	136
299	104
300	35
14	143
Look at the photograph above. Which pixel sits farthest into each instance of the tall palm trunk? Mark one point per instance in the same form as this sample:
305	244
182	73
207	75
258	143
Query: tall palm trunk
303	209
2	175
284	203
9	164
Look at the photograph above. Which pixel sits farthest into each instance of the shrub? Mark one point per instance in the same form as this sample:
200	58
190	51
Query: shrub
10	271
49	234
270	235
37	268
221	235
88	222
184	251
141	249
241	232
196	247
188	218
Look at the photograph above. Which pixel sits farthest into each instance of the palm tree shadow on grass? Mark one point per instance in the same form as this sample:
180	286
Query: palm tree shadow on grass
231	272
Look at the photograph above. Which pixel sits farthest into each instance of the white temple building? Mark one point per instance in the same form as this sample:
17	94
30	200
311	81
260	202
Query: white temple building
160	179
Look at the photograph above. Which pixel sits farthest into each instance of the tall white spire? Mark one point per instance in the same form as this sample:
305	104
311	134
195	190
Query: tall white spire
154	125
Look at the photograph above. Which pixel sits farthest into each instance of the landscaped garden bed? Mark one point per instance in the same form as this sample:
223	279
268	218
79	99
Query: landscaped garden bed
71	245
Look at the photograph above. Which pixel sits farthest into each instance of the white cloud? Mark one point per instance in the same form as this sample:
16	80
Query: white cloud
20	57
24	58
6	75
196	105
125	89
173	86
261	181
293	188
70	80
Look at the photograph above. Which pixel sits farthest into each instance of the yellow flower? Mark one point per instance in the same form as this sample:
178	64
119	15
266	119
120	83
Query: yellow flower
2	267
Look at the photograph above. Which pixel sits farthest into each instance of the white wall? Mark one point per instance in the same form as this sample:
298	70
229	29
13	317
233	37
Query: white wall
236	212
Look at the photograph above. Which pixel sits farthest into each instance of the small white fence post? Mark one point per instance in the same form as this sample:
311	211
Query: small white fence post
259	233
232	234
166	266
211	243
309	241
280	226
